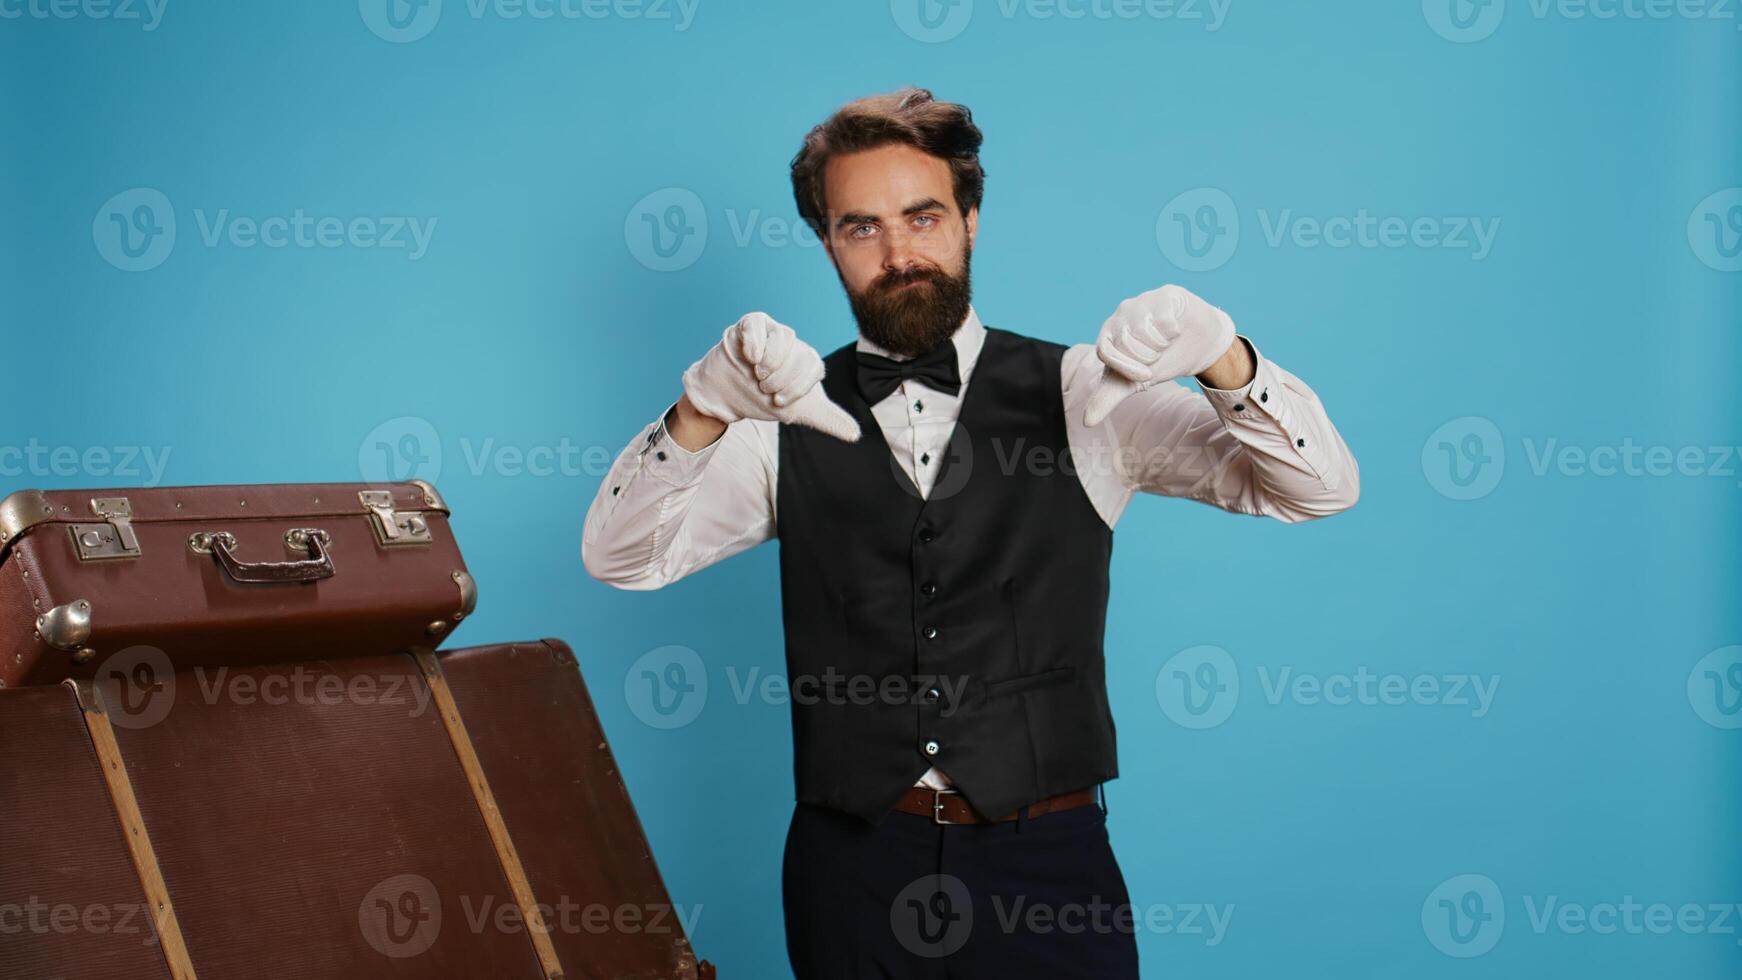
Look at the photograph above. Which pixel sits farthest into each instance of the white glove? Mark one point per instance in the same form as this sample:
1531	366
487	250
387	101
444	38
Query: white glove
1153	338
761	370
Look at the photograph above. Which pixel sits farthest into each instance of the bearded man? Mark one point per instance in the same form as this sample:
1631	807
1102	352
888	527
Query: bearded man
944	493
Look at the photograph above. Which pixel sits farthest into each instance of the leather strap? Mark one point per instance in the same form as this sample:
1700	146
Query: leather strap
506	855
949	806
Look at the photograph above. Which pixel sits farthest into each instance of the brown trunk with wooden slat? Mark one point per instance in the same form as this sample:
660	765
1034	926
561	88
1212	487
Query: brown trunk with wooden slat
551	770
66	879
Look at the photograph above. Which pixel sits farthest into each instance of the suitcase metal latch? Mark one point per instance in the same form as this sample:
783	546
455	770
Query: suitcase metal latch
113	539
391	527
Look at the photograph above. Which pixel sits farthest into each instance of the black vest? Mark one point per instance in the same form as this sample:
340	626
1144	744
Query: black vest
969	623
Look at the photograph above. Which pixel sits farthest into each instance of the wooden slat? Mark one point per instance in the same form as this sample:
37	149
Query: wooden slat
175	951
505	852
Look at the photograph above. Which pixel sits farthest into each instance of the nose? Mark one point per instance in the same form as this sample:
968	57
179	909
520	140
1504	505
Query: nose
898	253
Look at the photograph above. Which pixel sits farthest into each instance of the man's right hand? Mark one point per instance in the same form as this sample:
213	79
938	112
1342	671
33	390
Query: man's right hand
761	370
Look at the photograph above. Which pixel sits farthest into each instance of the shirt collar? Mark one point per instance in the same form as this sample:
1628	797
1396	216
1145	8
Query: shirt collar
968	338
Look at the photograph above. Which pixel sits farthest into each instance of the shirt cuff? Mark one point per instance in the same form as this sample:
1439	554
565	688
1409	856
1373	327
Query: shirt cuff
1252	402
1265	405
670	463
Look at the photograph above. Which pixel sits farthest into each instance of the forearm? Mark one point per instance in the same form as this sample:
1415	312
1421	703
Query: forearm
664	511
1264	447
690	428
1234	369
1284	456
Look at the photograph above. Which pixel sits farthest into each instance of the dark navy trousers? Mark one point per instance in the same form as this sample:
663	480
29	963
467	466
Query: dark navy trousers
908	899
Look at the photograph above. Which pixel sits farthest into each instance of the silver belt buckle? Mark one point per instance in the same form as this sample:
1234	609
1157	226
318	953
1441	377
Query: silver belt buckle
937	806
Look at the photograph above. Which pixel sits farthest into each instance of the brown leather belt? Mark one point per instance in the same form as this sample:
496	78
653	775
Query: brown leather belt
946	806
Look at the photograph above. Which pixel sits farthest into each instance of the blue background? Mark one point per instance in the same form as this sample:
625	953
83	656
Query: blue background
532	318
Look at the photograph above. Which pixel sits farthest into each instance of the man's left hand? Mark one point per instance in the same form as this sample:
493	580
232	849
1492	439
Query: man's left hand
1153	338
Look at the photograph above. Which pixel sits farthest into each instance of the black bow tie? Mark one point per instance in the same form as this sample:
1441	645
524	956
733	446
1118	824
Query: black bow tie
878	376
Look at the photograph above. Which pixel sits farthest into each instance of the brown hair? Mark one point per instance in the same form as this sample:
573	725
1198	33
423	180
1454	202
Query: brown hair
910	116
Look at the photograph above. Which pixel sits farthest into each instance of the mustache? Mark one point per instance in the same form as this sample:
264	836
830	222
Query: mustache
896	280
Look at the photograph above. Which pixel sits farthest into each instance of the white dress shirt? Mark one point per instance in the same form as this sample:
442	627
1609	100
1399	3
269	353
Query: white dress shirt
1266	449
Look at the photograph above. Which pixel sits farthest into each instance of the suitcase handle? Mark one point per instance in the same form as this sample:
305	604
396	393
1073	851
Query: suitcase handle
221	545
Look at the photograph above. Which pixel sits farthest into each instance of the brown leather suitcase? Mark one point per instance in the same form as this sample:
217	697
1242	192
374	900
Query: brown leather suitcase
223	575
412	815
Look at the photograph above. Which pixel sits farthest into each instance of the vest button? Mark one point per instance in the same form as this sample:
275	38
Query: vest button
926	534
931	748
928	588
930	632
932	695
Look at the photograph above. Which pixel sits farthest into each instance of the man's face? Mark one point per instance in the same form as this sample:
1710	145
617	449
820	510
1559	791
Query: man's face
900	245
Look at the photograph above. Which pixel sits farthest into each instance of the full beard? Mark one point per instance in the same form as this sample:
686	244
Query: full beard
912	321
